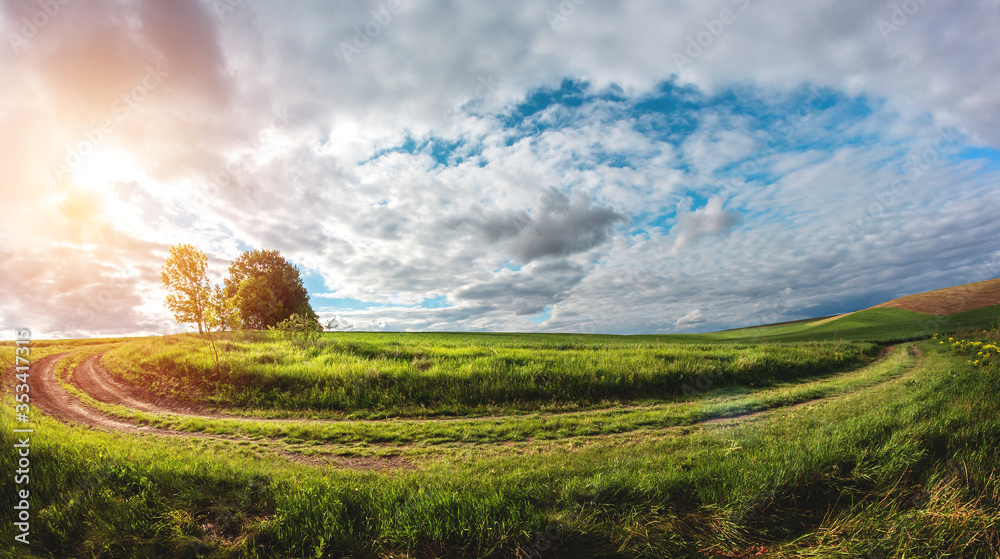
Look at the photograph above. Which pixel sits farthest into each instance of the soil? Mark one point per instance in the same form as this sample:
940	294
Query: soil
50	397
951	300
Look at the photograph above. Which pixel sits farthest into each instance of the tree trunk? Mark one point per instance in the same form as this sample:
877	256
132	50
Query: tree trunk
218	370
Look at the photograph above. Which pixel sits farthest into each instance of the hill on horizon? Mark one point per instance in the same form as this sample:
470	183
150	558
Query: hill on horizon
950	300
972	305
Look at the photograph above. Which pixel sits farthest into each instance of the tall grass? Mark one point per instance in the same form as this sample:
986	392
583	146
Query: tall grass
453	374
903	469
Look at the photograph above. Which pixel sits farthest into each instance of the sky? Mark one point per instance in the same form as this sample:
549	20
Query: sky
533	166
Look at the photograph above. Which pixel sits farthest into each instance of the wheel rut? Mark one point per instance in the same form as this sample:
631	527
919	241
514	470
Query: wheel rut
51	397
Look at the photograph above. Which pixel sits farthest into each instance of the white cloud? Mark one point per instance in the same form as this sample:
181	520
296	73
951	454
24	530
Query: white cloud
710	220
690	319
264	135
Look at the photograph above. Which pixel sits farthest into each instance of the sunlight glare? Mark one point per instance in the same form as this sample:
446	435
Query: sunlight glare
105	167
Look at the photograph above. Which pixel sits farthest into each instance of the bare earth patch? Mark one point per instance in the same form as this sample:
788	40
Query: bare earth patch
49	397
950	300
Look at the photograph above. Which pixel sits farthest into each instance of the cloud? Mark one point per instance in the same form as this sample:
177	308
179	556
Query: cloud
690	319
524	292
559	226
563	227
478	154
709	220
185	35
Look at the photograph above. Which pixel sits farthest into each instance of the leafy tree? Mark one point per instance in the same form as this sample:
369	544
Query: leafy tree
266	289
255	303
222	313
184	276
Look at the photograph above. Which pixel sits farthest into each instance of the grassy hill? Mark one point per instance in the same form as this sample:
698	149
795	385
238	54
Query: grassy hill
918	316
759	442
951	300
892	458
879	324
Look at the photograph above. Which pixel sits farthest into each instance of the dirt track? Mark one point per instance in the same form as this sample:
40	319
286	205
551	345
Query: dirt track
91	378
50	397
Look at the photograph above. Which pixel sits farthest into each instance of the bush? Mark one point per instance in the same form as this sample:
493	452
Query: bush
299	327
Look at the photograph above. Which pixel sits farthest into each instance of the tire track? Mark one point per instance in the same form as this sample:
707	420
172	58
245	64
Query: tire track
93	379
52	399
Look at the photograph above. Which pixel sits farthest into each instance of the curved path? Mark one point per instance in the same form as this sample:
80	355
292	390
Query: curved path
93	379
48	395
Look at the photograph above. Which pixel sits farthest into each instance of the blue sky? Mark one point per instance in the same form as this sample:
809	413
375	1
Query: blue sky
807	122
526	167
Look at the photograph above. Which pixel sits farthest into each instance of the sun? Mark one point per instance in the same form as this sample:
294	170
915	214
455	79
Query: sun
106	166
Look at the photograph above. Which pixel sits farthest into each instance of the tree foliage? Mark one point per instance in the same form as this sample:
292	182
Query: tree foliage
184	276
266	289
306	329
262	290
222	313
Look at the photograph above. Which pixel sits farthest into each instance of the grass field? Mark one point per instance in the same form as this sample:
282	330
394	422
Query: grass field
764	442
883	325
367	375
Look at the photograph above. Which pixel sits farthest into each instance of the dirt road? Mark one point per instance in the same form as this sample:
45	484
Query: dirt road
49	396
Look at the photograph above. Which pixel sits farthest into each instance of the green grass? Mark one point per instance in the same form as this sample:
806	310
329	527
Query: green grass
882	325
869	470
894	458
713	402
368	375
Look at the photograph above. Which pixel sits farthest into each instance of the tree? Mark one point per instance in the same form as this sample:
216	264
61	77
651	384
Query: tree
184	276
255	303
220	315
266	289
